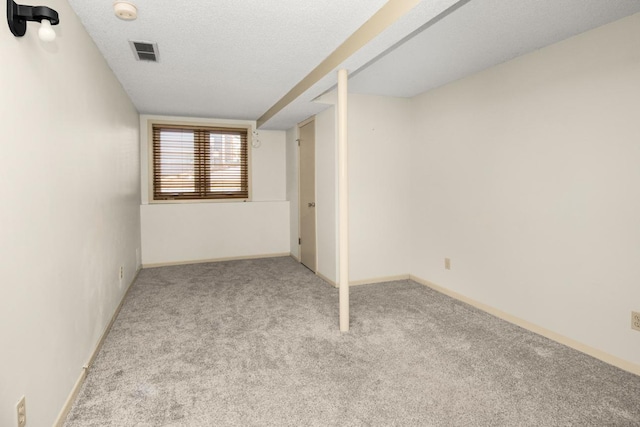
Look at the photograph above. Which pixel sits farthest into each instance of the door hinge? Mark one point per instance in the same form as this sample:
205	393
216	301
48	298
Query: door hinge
298	142
299	241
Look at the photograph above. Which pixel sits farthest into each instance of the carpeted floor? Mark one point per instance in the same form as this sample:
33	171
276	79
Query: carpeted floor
256	343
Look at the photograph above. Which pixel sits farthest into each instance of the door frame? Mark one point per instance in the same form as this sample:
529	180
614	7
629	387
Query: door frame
315	188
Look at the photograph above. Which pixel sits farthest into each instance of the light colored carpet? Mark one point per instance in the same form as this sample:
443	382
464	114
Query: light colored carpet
256	343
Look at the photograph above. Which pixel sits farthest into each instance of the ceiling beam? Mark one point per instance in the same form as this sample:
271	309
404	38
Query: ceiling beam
380	21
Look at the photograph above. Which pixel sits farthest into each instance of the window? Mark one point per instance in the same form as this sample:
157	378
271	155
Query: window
196	162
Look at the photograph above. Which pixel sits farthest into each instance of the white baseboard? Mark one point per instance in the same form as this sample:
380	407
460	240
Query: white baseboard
202	261
365	281
378	280
326	279
576	345
292	255
62	416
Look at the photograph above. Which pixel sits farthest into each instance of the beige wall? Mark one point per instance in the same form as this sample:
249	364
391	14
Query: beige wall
526	175
380	139
292	189
379	134
180	233
326	194
69	215
174	233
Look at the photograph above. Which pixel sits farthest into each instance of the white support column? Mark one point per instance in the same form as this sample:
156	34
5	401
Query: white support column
343	197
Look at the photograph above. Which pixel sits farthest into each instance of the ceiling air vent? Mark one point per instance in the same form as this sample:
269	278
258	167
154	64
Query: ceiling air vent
145	51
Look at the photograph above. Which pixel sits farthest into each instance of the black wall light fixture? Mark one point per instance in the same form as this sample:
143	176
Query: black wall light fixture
18	15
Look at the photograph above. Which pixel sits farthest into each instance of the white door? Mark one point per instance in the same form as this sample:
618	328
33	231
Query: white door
308	195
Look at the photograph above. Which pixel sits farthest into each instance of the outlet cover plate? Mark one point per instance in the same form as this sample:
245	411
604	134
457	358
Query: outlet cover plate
635	320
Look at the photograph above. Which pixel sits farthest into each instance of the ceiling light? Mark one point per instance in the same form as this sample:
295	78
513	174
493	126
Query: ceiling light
125	10
18	15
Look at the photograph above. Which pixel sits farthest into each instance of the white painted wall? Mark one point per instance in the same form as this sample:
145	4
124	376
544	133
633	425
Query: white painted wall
181	232
268	167
380	137
292	189
526	175
327	194
69	213
206	231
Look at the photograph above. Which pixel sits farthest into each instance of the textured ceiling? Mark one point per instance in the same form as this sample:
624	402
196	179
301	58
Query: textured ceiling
235	59
223	58
480	34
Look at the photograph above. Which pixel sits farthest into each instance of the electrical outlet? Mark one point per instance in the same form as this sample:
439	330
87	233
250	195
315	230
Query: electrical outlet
635	320
22	412
447	264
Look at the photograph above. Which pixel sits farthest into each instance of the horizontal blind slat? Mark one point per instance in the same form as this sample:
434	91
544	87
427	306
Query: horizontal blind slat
194	162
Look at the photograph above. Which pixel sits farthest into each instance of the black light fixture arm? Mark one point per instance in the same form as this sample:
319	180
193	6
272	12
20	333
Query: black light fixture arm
18	15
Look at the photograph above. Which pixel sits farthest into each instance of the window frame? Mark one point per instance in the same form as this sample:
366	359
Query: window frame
196	124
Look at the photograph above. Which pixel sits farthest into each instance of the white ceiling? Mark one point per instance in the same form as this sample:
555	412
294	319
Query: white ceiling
235	59
480	34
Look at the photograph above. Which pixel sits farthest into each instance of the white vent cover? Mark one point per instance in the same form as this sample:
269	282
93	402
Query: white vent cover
145	51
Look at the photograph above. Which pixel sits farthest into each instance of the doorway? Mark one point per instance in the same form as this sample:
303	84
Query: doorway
307	199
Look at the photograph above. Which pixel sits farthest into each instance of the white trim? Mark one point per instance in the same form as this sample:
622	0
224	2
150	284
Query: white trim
292	255
379	280
386	16
343	205
68	404
583	348
300	125
146	126
554	336
326	279
297	147
306	121
202	261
